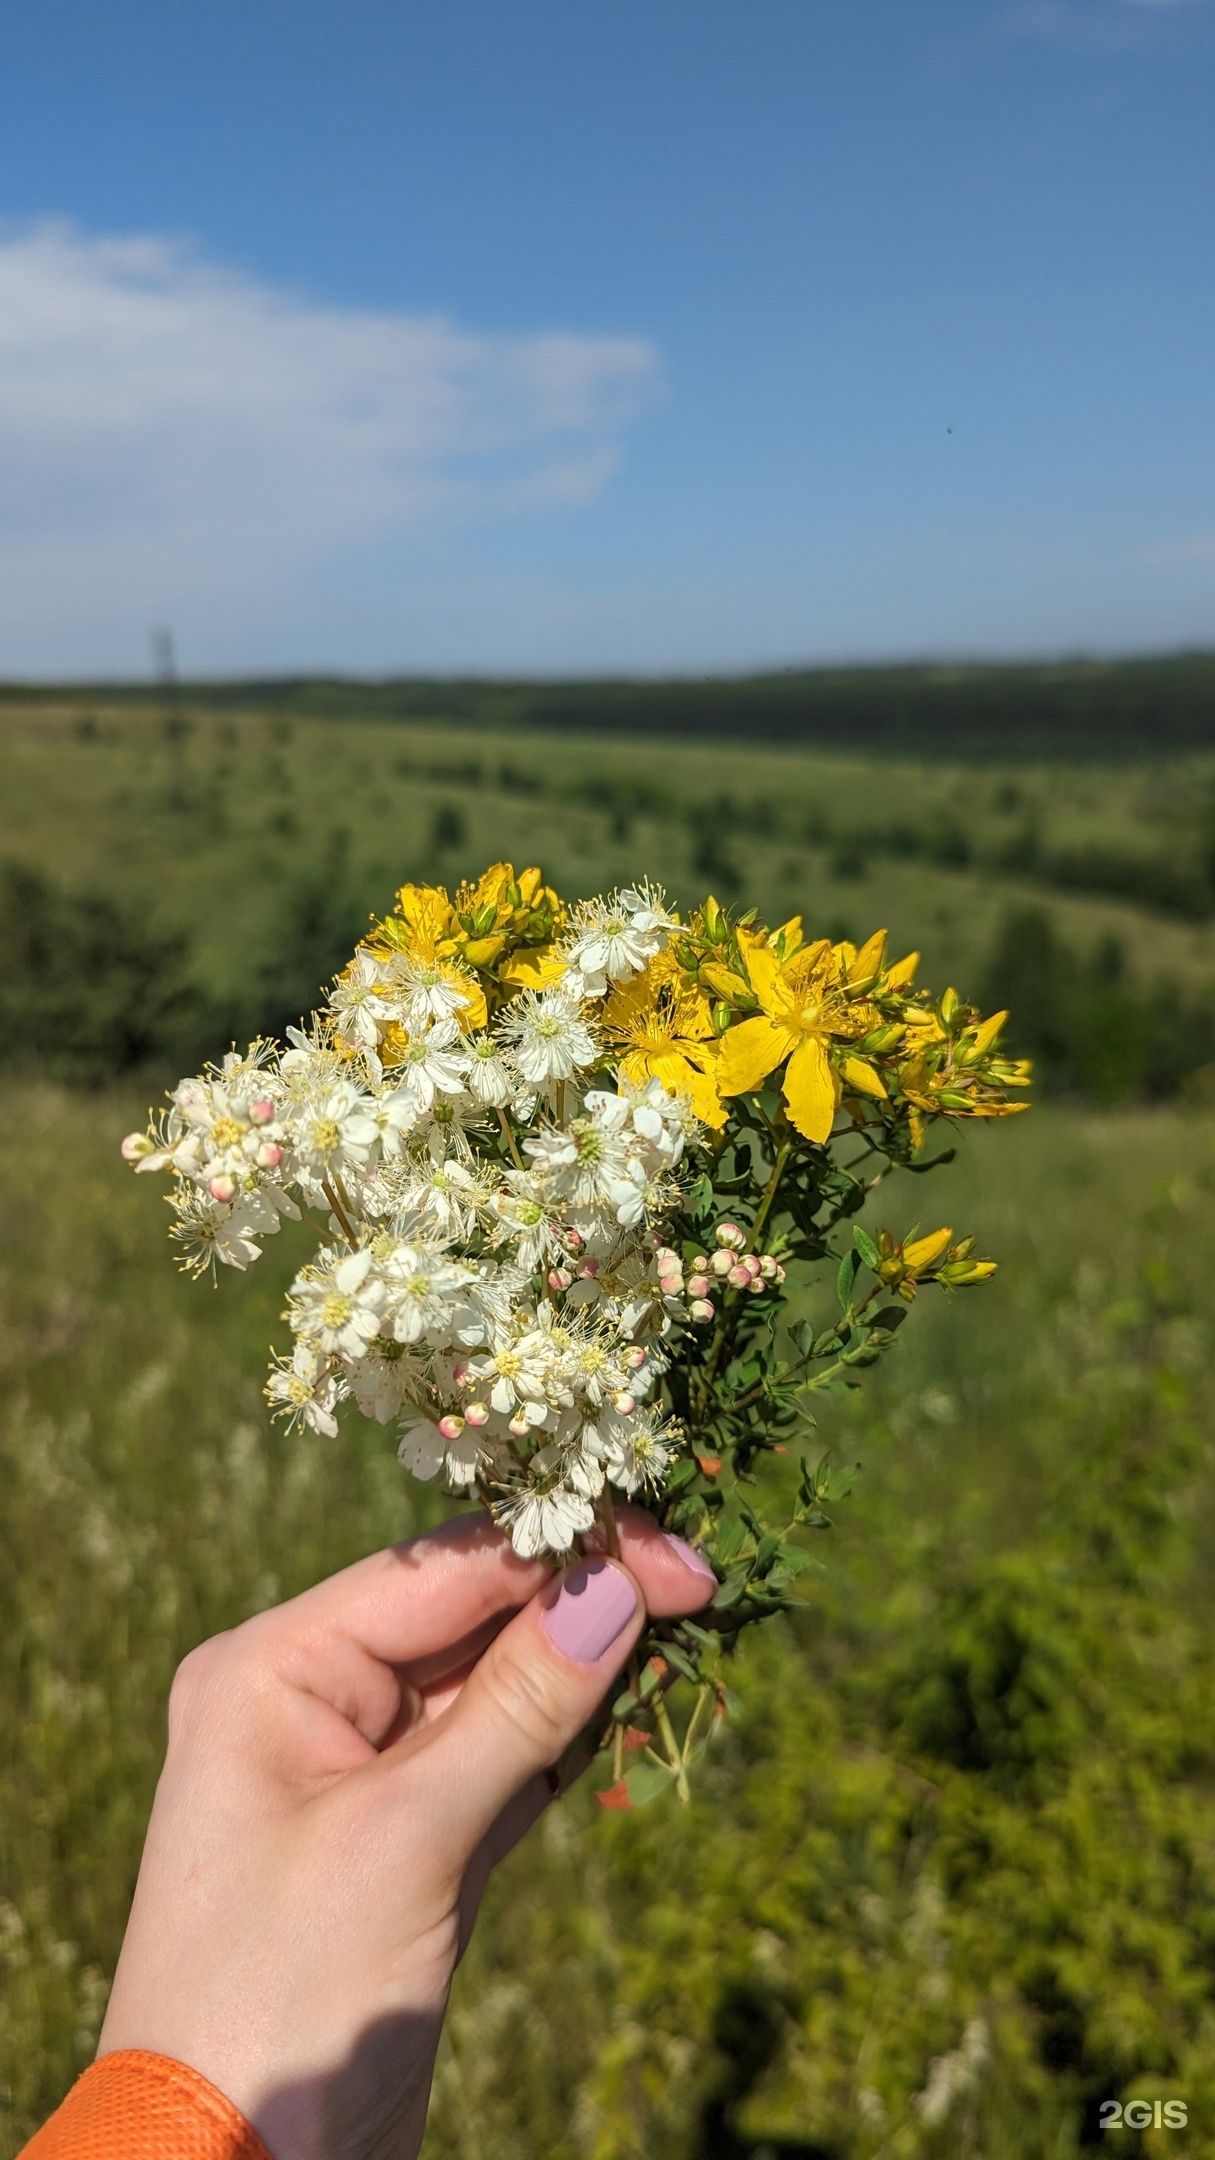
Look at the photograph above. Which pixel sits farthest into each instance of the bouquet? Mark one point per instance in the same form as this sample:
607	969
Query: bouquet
564	1166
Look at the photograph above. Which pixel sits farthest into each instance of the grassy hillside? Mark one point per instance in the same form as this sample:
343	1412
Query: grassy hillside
949	1881
970	1793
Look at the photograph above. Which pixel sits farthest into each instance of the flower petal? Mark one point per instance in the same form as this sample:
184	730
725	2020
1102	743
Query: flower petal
749	1052
810	1090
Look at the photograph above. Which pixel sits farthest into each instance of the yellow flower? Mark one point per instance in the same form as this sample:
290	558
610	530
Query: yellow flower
496	936
662	1028
802	1005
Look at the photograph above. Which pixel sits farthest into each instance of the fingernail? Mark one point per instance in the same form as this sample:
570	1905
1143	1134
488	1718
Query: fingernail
593	1605
690	1557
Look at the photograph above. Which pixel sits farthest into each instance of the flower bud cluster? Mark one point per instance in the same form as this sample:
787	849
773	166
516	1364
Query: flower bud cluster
729	1267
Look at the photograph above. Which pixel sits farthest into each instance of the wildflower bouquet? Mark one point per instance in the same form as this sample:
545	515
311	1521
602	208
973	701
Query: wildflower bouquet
560	1162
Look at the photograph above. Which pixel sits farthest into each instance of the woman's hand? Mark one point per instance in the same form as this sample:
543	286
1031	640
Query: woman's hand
342	1774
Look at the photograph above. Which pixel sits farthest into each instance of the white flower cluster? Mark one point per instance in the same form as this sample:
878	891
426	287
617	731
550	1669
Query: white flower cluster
493	1276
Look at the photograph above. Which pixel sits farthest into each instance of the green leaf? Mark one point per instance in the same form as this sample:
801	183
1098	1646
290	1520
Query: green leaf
729	1593
647	1781
865	1246
845	1278
680	1660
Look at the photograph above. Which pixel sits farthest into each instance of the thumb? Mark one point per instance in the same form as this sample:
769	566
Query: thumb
539	1682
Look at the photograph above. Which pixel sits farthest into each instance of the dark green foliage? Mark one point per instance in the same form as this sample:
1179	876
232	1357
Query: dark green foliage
1090	1030
448	829
323	911
1102	709
87	989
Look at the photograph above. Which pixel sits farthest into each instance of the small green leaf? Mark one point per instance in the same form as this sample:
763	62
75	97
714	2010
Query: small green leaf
729	1593
845	1278
865	1246
647	1781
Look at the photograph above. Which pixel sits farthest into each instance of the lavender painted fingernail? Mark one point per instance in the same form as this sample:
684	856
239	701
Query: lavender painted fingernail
593	1605
690	1557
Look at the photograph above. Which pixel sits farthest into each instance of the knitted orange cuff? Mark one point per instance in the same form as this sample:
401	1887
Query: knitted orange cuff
135	2106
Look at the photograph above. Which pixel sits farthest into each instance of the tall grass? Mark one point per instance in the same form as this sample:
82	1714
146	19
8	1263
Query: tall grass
965	1817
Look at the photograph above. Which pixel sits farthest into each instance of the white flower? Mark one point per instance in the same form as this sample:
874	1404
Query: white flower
522	1207
635	1450
445	1201
421	1288
490	1078
339	1305
549	1037
383	1380
361	1003
422	1449
431	990
517	1373
615	938
583	1164
541	1522
304	1390
336	1133
435	1060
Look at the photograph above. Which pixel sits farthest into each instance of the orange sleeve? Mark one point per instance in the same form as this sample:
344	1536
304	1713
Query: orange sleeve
135	2106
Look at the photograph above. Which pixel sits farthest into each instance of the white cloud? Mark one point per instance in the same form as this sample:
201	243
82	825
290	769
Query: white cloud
174	435
1086	25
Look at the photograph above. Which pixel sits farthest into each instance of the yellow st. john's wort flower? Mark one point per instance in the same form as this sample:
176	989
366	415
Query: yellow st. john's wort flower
660	1027
804	1004
906	1264
497	933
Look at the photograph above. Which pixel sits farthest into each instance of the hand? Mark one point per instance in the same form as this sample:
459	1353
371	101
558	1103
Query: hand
342	1774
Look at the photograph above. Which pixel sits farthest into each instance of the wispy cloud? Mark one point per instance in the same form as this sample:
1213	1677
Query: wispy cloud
1087	25
170	428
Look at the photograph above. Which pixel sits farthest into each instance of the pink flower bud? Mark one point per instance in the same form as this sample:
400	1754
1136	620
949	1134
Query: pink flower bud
589	1270
739	1277
459	1373
729	1234
263	1111
700	1309
721	1262
222	1188
700	1263
665	1257
768	1268
575	1240
750	1261
624	1403
450	1427
558	1279
519	1426
670	1283
755	1284
634	1358
699	1285
779	1276
269	1155
135	1146
476	1414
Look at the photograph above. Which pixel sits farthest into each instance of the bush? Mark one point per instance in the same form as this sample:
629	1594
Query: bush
87	989
1090	1029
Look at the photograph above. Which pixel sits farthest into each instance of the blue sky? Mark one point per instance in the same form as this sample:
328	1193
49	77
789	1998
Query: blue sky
584	337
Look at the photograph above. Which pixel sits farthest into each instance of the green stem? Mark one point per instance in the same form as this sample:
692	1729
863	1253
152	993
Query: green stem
674	1756
509	1138
724	1329
340	1212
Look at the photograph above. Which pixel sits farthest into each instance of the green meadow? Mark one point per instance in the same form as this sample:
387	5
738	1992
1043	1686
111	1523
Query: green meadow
947	1883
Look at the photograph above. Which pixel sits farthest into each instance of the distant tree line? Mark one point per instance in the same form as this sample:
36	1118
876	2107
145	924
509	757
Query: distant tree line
1078	709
